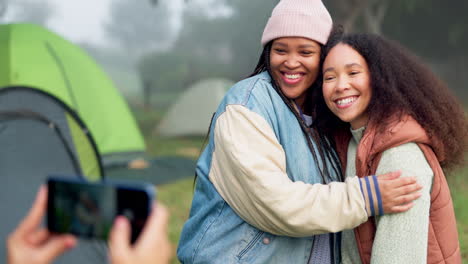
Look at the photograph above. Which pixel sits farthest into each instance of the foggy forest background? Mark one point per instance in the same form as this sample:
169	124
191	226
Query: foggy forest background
154	50
152	61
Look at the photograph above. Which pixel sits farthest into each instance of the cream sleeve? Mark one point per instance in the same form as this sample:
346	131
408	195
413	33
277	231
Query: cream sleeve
249	171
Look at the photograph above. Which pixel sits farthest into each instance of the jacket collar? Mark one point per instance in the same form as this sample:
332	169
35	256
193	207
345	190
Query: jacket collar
397	131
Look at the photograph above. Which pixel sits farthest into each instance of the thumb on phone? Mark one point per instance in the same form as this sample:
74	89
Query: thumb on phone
119	238
152	246
156	226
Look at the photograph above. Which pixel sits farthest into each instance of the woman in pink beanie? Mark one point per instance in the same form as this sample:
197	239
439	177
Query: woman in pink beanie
267	187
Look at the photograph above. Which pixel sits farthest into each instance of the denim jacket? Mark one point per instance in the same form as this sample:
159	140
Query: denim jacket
220	229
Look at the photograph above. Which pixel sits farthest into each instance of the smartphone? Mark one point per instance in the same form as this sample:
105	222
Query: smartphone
88	209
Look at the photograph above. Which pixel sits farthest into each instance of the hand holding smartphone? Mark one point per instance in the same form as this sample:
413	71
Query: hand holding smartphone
88	210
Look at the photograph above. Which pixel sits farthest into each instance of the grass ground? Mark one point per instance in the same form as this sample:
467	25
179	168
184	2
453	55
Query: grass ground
176	196
459	188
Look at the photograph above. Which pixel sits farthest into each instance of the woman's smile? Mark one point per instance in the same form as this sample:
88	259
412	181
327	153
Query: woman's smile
346	102
292	78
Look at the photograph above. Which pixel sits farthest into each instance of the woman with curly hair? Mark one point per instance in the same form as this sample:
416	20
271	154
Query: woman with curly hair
388	112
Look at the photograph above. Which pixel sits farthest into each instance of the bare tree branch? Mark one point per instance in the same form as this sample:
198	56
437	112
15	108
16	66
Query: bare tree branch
374	15
3	8
347	12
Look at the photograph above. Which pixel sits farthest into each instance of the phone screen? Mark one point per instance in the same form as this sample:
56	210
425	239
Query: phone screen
88	209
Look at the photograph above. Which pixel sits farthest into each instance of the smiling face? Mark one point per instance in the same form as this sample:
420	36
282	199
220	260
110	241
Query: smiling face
346	85
294	63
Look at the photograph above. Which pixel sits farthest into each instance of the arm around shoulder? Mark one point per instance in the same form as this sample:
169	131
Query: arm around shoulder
249	171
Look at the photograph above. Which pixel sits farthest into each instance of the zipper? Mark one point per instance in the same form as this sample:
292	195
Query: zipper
310	250
331	239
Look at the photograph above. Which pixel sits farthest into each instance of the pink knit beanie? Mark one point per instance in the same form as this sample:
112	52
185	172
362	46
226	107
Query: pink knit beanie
298	18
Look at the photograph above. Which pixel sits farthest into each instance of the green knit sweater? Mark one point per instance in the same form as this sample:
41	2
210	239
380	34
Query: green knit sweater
402	237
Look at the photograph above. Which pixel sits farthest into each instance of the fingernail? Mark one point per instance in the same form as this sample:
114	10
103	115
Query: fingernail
42	189
119	221
71	242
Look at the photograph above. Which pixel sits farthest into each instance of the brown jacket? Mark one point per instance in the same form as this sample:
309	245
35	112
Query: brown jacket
443	245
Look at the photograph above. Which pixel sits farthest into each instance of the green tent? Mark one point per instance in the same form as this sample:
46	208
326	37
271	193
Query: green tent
59	114
35	57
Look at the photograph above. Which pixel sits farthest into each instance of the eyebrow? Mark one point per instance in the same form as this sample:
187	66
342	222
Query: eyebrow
328	69
349	65
300	46
309	46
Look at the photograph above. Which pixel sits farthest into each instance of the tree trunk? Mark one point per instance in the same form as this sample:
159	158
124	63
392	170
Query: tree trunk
147	94
374	15
347	12
3	8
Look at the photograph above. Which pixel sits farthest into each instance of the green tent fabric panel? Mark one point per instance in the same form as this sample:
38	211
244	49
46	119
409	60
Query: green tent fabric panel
30	64
5	55
41	59
100	106
86	155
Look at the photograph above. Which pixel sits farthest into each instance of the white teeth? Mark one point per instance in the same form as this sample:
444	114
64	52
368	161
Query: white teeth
346	100
292	76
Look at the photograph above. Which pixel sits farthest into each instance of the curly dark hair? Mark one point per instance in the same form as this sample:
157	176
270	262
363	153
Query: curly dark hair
401	84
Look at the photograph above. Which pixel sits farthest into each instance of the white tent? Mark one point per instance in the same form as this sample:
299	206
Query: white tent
191	113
